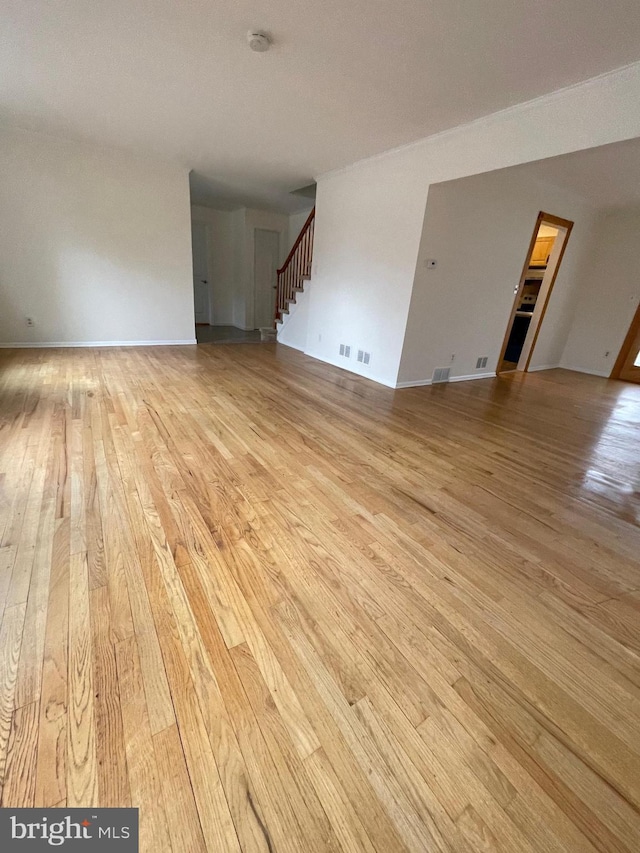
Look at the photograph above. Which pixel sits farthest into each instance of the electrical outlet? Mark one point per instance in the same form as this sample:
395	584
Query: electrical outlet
607	353
30	321
453	357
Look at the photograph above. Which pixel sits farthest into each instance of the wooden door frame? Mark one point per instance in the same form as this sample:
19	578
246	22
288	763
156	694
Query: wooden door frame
630	337
548	218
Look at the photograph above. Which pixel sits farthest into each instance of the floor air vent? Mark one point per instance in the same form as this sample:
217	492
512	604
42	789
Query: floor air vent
441	374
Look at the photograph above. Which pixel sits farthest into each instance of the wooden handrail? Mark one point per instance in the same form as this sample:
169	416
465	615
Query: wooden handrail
305	228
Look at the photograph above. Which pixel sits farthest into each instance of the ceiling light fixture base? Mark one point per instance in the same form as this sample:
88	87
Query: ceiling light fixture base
258	41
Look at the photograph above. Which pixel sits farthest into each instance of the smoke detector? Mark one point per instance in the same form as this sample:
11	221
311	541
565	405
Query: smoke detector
258	41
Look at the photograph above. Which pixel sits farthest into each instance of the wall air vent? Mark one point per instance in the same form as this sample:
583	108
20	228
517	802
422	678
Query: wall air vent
481	362
345	350
441	374
364	357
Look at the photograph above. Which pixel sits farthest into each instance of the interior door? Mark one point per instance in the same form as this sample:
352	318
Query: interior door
628	364
201	291
266	257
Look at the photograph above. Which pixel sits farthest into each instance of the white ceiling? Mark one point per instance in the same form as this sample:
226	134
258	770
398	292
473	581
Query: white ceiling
345	79
608	177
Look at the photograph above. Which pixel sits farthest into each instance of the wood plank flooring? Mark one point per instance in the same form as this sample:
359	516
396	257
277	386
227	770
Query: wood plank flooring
281	608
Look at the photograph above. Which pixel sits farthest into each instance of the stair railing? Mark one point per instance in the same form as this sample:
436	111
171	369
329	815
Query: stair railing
296	269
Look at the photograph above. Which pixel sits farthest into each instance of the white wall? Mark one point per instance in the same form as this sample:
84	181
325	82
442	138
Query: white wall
231	261
293	330
220	234
369	217
367	230
609	295
479	230
95	244
240	268
271	222
296	224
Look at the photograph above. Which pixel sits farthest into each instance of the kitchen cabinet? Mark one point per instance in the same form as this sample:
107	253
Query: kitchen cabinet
541	251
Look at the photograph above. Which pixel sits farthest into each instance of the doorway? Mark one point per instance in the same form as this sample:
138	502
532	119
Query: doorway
627	366
546	250
201	289
266	257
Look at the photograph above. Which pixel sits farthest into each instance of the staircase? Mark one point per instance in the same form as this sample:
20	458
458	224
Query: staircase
295	270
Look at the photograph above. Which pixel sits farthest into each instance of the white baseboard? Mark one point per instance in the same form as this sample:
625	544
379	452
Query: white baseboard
603	373
348	369
489	375
418	383
291	346
543	367
413	383
63	344
232	325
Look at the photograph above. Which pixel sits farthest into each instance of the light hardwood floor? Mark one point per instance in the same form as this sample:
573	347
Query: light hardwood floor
281	608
